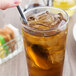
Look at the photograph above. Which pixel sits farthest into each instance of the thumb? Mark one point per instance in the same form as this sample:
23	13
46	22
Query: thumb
4	4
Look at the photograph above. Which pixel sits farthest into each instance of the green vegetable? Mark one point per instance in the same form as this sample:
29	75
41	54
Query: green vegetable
4	46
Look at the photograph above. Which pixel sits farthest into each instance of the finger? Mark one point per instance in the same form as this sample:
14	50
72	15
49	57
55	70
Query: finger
8	3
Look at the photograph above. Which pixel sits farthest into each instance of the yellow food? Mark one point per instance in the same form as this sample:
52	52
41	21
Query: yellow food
2	52
65	4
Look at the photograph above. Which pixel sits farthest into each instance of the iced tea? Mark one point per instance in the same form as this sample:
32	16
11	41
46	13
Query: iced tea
44	42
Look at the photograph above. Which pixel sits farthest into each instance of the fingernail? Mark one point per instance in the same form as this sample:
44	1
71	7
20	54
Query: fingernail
17	1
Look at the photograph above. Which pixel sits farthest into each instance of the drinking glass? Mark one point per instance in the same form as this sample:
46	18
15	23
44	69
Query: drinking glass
45	49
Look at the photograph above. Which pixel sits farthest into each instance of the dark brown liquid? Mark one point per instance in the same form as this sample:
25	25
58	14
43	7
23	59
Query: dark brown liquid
45	53
33	6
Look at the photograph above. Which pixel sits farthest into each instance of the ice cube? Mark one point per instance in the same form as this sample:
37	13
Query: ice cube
42	15
55	22
62	25
57	56
61	17
45	17
31	38
57	42
31	18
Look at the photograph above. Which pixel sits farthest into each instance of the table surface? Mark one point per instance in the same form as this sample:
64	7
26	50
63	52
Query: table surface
17	65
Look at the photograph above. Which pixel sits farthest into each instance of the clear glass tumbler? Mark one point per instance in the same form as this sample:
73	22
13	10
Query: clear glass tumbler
45	49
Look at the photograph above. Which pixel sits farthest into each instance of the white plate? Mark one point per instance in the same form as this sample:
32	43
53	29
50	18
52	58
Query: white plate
74	31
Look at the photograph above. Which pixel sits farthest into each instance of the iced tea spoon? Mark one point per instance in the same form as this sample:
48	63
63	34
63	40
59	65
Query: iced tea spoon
22	15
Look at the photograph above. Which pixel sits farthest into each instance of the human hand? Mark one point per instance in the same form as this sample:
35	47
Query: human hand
4	4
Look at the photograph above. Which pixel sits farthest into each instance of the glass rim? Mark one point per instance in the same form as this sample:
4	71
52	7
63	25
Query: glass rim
44	30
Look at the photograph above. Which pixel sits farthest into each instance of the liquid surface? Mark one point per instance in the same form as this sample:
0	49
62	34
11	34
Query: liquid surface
46	20
45	54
